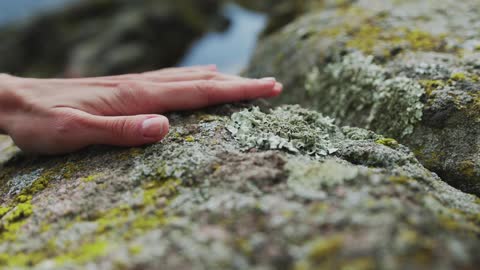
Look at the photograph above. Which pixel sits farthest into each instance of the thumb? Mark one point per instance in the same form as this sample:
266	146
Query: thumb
129	130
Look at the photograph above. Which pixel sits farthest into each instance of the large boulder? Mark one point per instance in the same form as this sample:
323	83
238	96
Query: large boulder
405	69
93	38
236	187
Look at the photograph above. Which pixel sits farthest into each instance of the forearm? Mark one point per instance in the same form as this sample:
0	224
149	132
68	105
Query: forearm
9	101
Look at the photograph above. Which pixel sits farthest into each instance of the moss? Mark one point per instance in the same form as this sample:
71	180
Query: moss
392	143
162	188
321	253
431	85
325	247
13	221
459	77
467	168
21	211
23	198
4	210
359	264
189	138
372	37
70	169
135	249
91	178
39	184
400	179
21	259
85	253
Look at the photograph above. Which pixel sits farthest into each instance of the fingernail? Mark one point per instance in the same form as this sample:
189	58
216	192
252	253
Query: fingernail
270	79
278	88
153	127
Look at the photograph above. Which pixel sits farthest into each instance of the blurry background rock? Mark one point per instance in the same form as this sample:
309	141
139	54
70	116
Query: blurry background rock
405	69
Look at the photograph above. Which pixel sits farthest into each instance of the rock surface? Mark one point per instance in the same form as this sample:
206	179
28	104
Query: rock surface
242	187
235	187
405	69
94	38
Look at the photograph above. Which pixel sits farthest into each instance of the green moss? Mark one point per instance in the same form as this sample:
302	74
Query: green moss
135	249
91	178
21	211
85	253
23	198
39	184
4	210
392	143
467	168
459	77
400	179
13	221
431	85
366	263
21	259
325	247
322	253
156	189
189	138
70	169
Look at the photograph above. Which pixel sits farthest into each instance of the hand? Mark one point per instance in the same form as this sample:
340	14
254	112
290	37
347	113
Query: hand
52	116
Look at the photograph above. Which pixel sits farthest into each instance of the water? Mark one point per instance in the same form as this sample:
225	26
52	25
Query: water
12	10
230	50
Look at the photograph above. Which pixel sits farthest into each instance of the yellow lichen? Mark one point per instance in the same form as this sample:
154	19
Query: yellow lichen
400	179
86	253
3	211
24	198
459	76
189	138
135	249
392	143
91	178
467	168
431	85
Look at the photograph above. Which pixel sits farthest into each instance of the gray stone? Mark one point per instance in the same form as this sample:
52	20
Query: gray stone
221	192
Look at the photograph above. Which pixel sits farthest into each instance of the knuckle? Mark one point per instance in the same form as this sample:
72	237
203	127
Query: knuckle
205	86
65	123
121	127
210	75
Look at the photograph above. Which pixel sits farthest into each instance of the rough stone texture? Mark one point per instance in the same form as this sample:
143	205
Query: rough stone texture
405	69
237	187
106	37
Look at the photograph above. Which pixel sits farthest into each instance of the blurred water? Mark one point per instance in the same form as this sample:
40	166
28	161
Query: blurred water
230	50
11	10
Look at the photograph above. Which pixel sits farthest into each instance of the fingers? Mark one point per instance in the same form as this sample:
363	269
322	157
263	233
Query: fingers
182	69
163	97
126	130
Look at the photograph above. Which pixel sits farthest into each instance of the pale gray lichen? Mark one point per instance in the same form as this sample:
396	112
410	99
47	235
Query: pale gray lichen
356	91
309	180
285	128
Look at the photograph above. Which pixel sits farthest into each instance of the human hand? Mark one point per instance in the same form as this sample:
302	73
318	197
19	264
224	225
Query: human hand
53	116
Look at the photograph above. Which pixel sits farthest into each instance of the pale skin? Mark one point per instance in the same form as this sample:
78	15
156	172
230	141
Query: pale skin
56	116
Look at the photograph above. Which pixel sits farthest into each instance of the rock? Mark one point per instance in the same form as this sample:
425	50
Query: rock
237	187
405	69
93	38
